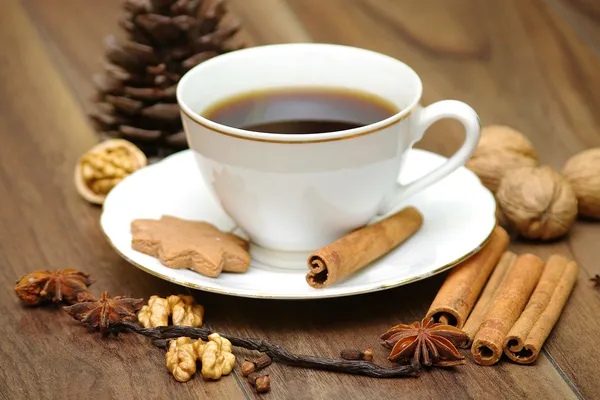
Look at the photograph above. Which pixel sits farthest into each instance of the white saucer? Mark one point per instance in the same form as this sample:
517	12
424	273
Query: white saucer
459	218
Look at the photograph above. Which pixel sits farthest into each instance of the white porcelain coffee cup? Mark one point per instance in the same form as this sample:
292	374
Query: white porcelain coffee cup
298	192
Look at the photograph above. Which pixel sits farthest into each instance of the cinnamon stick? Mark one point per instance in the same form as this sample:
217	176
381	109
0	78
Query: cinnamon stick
506	309
487	297
527	336
359	248
460	290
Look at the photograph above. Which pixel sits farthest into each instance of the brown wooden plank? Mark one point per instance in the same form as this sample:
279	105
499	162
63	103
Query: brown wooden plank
565	346
465	50
570	65
516	62
583	16
325	327
43	224
73	33
269	21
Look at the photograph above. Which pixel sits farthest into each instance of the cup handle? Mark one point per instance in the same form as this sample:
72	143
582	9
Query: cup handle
430	114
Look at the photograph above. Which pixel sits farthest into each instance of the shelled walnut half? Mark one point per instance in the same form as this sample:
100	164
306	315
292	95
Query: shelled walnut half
156	313
184	311
104	166
215	356
179	309
181	358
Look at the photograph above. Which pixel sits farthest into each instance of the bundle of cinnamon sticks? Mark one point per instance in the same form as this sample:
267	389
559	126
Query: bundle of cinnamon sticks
504	302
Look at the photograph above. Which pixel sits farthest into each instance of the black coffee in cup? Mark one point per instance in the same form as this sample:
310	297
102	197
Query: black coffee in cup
301	110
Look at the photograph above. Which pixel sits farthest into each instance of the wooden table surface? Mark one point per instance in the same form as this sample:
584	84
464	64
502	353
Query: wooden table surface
531	64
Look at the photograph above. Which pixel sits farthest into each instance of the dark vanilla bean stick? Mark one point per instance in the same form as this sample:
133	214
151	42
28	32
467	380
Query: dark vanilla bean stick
276	352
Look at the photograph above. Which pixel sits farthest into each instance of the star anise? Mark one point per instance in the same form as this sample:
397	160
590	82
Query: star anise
103	313
63	285
596	280
425	343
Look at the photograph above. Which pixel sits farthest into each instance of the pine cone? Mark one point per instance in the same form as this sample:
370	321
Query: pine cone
166	38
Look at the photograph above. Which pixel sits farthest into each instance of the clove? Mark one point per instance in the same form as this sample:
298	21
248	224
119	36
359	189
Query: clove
355	354
262	384
249	367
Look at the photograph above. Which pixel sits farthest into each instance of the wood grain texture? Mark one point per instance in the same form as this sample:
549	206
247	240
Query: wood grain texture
270	21
325	327
73	35
530	64
584	18
43	224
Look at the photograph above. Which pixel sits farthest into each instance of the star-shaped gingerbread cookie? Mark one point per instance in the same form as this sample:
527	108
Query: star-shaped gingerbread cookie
200	246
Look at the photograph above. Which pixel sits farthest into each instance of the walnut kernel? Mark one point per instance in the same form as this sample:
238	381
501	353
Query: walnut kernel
180	308
184	312
156	313
104	166
217	358
181	358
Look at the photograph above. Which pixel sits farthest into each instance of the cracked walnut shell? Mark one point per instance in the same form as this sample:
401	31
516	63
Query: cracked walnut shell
538	202
500	149
583	173
217	358
104	166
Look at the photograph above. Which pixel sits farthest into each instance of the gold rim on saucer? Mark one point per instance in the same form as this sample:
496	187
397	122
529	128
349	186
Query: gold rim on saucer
280	297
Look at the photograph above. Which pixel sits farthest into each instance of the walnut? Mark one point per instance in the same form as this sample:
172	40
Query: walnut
500	149
217	358
180	308
184	312
181	358
583	173
156	313
104	166
538	202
